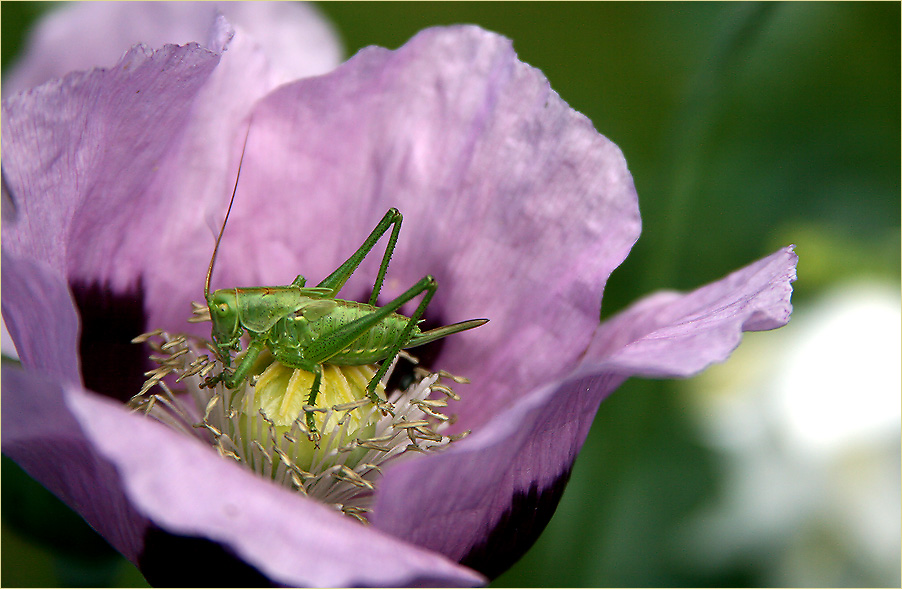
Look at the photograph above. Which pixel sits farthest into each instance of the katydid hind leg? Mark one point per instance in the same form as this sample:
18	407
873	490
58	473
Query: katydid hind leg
322	350
426	285
339	277
386	257
343	337
443	331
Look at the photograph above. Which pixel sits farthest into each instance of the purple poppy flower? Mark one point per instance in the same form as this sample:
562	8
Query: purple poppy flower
117	182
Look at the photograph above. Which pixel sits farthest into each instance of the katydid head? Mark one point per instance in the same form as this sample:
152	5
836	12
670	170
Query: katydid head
226	330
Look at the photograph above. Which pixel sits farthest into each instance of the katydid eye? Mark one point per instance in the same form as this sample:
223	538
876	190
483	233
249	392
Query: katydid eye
223	308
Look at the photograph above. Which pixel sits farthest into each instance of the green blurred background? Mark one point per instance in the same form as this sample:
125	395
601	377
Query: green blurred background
746	127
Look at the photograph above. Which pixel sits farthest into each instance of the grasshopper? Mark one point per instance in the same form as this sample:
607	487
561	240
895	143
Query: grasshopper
306	327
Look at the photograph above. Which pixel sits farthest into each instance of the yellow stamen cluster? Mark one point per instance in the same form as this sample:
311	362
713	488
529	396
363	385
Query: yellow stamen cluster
261	424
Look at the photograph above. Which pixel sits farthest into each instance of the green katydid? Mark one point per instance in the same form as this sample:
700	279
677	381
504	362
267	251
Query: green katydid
306	327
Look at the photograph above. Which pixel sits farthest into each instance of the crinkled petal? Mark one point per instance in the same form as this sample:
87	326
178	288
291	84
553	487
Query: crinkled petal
485	500
296	38
140	211
188	489
511	199
41	435
41	318
84	35
80	151
671	335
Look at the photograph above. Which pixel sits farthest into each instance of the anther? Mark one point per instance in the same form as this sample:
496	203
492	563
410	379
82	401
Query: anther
173	343
146	336
457	379
428	411
351	405
161	371
411	424
445	391
211	404
262	450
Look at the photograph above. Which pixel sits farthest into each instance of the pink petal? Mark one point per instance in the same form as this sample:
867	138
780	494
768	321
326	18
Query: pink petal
484	501
40	433
187	488
41	317
671	335
76	196
83	35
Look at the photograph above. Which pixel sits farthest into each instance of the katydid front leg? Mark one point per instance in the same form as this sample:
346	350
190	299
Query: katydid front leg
231	380
317	370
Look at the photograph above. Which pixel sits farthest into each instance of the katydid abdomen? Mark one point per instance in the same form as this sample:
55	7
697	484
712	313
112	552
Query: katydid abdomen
309	334
312	336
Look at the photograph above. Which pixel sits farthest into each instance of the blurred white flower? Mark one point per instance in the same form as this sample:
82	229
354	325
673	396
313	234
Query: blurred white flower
808	423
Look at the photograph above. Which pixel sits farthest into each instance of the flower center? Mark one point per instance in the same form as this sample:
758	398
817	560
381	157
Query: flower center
261	424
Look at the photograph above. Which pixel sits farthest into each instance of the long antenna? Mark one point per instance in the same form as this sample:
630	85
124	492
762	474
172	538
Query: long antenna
224	221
